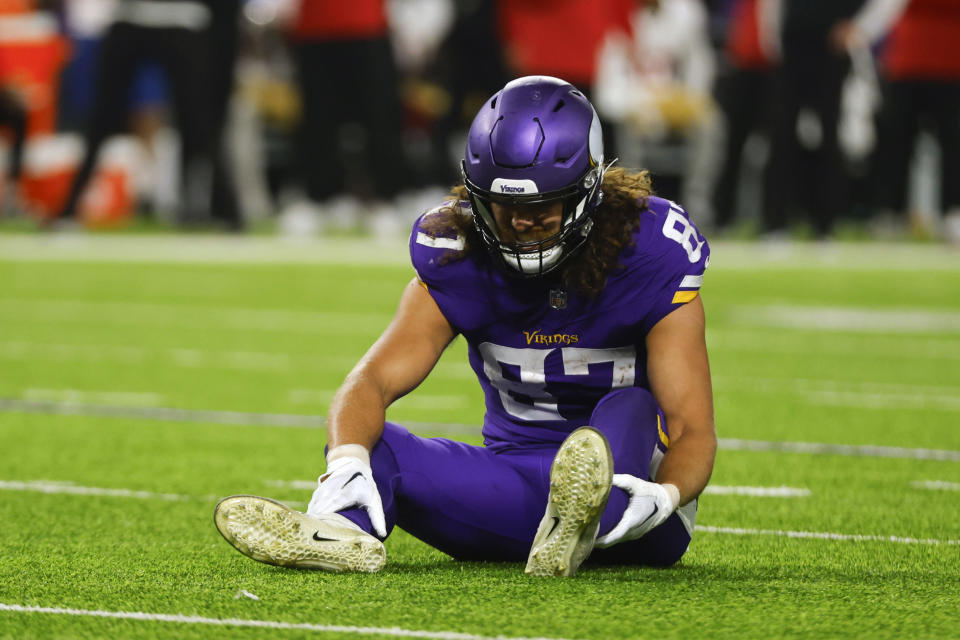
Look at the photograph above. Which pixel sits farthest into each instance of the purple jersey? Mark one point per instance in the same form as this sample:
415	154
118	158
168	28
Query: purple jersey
545	356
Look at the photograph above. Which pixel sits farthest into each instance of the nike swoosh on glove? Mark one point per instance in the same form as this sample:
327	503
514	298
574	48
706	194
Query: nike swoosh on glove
650	504
348	484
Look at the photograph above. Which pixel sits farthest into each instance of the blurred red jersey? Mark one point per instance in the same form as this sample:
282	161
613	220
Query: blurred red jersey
339	20
560	37
925	43
744	46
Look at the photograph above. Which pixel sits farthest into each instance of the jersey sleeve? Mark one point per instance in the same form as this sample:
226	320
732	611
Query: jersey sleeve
679	256
440	276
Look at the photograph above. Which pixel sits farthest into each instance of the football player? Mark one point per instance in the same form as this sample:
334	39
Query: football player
577	293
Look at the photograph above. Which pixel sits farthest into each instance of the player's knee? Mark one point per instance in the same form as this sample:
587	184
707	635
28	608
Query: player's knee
635	402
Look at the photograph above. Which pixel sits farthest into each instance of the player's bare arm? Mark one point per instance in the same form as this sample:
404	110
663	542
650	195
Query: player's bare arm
680	381
679	376
397	362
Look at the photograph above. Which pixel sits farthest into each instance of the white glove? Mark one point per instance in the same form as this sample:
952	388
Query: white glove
348	484
650	504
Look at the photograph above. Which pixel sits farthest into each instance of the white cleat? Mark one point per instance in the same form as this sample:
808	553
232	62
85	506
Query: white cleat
270	532
580	481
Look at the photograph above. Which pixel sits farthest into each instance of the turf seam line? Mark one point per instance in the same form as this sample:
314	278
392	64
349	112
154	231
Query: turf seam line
757	492
936	485
254	419
824	535
864	451
263	624
163	248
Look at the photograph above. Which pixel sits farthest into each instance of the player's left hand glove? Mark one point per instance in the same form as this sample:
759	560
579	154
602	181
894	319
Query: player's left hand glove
348	484
650	504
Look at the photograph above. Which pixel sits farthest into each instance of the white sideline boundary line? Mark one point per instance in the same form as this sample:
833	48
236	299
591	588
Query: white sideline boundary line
824	535
757	492
252	419
260	624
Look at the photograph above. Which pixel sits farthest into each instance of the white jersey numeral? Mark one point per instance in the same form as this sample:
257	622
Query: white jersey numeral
686	236
533	382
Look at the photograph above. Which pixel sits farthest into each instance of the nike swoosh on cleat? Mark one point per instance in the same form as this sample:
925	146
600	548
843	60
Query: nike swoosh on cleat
556	521
352	478
316	536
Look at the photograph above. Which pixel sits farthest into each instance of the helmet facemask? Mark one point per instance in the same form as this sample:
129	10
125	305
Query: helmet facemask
534	258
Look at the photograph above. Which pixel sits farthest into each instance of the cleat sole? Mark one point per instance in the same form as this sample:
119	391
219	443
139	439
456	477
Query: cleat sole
580	481
272	533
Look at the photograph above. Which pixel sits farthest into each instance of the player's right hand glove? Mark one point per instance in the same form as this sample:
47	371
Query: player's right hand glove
348	484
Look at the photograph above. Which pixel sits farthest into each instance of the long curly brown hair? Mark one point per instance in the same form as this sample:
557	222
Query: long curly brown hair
625	196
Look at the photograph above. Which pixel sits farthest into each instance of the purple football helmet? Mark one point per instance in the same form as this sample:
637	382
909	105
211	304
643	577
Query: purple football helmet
537	140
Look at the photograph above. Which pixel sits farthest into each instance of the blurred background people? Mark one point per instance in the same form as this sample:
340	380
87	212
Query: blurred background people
563	38
746	66
807	92
919	65
13	127
352	115
191	42
654	82
349	142
467	67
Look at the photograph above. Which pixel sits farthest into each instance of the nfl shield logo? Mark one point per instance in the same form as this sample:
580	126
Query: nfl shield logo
558	298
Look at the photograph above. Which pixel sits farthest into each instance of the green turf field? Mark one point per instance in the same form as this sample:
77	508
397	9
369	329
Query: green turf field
143	378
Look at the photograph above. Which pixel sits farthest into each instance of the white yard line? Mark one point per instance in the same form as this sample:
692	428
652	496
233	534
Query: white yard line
76	396
883	400
260	624
936	485
306	485
854	451
824	535
167	414
825	385
842	393
860	320
717	490
221	250
414	401
770	340
44	486
193	358
113	313
757	492
69	488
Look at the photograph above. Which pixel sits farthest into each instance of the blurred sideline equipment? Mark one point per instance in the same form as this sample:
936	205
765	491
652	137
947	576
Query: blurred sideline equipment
32	54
